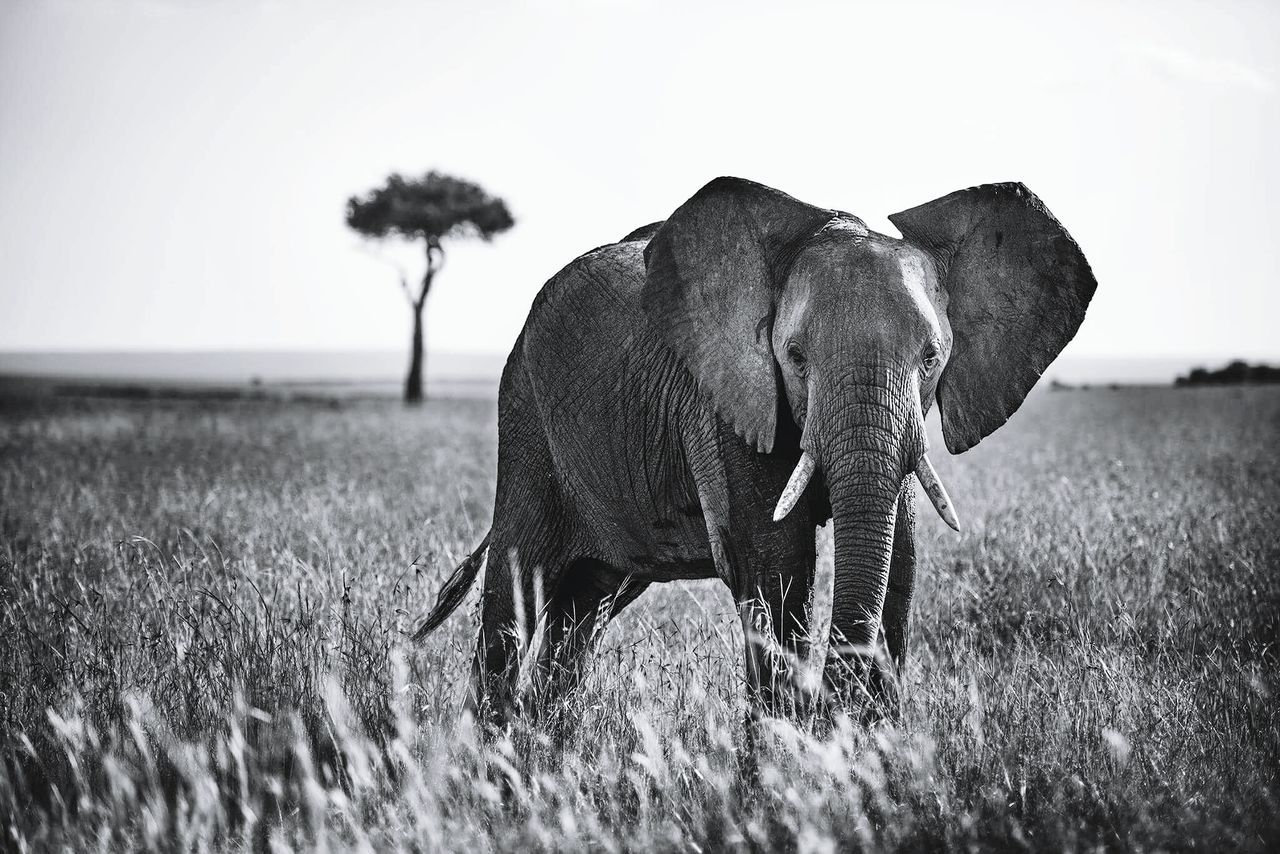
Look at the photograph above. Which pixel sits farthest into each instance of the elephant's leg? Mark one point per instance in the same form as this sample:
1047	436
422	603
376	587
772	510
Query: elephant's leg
902	578
508	621
774	612
769	567
493	669
528	547
897	603
588	595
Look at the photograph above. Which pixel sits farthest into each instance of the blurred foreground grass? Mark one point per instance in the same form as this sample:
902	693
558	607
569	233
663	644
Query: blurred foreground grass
202	608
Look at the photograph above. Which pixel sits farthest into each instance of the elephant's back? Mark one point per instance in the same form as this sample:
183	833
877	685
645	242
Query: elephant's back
589	303
562	309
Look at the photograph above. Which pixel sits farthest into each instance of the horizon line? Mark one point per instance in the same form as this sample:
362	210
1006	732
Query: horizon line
141	351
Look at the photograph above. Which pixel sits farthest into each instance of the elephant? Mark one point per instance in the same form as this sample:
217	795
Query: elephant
694	400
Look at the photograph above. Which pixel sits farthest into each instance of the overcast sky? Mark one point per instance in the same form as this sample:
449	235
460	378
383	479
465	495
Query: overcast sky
173	174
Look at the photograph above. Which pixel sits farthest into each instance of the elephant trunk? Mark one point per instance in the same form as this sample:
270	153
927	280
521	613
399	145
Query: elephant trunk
864	510
869	442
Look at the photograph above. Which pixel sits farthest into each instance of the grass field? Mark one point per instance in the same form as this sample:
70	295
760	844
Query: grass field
203	608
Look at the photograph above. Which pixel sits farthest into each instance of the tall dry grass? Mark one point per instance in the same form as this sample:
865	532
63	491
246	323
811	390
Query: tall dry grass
203	608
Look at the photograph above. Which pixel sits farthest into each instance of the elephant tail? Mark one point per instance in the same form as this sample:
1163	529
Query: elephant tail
454	591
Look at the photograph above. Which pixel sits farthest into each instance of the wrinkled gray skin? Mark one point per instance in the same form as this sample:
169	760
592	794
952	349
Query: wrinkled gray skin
664	387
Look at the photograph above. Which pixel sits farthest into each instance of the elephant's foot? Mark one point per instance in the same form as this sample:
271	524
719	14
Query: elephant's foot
866	689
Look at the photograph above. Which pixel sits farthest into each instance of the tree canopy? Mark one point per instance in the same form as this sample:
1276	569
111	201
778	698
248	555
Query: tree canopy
429	208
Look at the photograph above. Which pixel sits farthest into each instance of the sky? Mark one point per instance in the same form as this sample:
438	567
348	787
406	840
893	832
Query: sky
173	173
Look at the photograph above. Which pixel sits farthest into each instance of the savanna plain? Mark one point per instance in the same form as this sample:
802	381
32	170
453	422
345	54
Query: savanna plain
204	608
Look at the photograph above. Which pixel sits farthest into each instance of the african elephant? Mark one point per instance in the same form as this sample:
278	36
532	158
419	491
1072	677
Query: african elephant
693	400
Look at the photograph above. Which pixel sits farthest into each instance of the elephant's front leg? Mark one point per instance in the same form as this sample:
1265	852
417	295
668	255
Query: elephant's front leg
770	568
897	604
902	577
773	609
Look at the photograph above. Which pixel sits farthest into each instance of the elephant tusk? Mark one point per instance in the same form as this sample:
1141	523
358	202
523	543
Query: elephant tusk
795	486
936	491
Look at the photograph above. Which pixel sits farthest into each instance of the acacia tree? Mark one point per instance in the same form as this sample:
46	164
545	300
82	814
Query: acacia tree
433	208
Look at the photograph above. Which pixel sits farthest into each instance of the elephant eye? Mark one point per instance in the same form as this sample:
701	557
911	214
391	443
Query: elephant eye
795	354
931	359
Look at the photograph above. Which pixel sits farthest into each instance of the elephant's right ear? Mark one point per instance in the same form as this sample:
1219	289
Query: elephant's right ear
714	272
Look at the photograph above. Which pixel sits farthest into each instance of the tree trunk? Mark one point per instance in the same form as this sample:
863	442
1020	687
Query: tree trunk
413	390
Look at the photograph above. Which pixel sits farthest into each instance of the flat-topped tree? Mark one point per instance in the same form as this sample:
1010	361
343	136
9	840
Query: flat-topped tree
433	208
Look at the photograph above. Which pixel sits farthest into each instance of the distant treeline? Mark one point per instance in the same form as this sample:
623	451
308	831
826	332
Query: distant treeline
1236	373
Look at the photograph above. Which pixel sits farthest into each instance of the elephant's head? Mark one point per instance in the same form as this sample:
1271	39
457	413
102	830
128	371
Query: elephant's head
784	310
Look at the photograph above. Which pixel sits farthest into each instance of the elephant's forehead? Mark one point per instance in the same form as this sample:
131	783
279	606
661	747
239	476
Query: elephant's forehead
921	283
887	285
864	267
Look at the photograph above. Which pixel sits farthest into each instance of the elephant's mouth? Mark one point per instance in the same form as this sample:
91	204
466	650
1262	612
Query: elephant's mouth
924	472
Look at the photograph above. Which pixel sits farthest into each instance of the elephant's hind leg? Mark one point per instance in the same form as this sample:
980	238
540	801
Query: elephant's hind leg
517	624
589	594
513	589
528	549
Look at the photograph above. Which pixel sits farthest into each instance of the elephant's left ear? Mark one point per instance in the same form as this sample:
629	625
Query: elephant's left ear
1018	286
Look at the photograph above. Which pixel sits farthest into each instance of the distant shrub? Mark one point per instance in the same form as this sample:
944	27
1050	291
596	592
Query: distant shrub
1235	373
